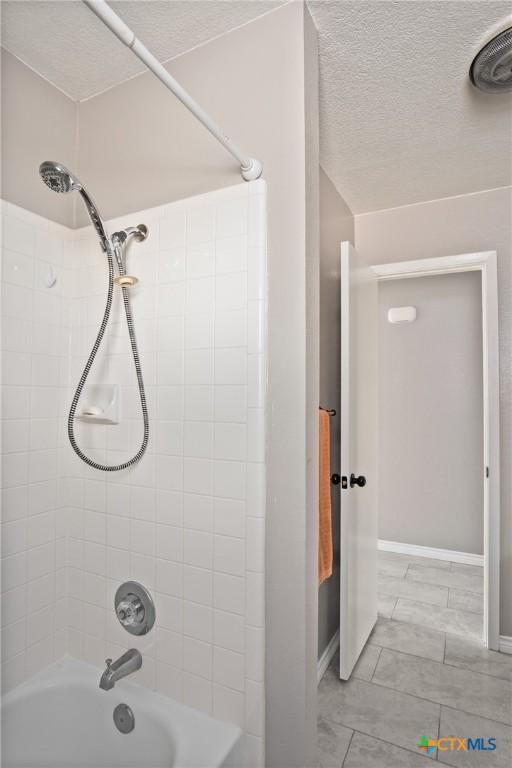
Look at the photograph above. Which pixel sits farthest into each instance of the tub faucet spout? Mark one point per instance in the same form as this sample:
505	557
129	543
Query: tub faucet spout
129	662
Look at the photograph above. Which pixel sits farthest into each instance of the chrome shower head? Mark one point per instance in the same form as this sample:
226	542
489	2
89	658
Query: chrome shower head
491	69
57	178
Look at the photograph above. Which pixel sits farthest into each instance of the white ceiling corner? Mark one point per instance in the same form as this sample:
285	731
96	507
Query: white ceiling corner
65	42
400	122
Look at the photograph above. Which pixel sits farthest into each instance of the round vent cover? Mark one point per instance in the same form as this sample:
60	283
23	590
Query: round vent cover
491	69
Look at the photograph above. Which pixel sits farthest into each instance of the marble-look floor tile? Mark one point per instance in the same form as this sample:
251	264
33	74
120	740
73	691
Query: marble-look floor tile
398	557
390	568
409	638
468	654
385	604
333	670
332	743
378	711
423	574
368	752
443	619
462	600
367	662
456	723
413	590
460	688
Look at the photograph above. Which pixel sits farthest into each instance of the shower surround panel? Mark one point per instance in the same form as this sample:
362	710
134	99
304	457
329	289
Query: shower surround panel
36	324
188	519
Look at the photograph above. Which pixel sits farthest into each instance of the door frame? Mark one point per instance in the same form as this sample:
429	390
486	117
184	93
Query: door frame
484	262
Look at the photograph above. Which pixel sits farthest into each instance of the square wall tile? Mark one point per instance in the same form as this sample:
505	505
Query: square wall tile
198	476
198	621
198	548
198	512
169	543
228	704
197	692
230	441
198	403
229	555
201	259
197	585
228	631
200	225
198	367
231	291
229	479
229	516
231	255
229	593
231	366
199	330
198	439
231	328
230	403
232	218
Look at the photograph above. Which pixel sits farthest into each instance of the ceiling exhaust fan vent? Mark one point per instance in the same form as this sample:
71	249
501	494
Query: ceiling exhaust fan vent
491	69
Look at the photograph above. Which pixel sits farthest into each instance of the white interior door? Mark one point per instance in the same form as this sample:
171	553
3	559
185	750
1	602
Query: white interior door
358	494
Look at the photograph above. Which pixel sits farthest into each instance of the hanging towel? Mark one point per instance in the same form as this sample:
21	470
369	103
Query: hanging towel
324	499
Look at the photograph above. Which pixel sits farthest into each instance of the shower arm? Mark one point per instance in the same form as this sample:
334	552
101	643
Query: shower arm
250	168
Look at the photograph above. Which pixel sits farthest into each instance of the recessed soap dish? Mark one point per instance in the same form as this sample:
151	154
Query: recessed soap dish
101	404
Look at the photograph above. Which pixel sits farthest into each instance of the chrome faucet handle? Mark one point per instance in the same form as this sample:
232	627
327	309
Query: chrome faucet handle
130	611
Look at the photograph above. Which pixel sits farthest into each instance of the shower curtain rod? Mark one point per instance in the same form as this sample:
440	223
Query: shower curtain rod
250	168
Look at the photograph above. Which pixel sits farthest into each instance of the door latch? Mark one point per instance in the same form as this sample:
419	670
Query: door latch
343	479
360	481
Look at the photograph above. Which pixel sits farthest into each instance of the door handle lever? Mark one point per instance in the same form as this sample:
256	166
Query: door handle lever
360	481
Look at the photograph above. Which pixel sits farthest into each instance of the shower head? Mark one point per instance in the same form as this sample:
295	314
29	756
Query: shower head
491	69
57	178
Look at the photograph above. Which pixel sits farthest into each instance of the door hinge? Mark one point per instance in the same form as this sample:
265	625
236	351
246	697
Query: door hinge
487	471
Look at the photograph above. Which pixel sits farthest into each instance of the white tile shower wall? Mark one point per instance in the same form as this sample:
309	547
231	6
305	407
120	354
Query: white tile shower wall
188	519
36	280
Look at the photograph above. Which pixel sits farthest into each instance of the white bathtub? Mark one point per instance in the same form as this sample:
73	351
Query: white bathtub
61	719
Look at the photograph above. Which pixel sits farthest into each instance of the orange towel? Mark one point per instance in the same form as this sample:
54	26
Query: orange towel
324	500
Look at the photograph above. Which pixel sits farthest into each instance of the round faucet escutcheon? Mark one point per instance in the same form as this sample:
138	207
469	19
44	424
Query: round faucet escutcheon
134	608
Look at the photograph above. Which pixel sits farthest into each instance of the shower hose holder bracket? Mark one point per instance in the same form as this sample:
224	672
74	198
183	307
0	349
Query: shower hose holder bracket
126	281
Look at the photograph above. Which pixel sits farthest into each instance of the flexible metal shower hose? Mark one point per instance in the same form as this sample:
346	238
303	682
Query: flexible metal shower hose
88	366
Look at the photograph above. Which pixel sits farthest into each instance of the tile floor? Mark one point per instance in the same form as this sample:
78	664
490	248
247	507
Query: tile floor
424	672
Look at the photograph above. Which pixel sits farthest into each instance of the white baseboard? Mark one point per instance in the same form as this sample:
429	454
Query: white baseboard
327	655
506	644
438	554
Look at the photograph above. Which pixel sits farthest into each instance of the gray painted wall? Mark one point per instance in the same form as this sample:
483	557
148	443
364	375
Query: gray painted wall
465	224
431	413
38	123
336	224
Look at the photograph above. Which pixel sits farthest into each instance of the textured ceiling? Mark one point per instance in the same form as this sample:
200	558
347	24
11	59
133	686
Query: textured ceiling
400	122
70	47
